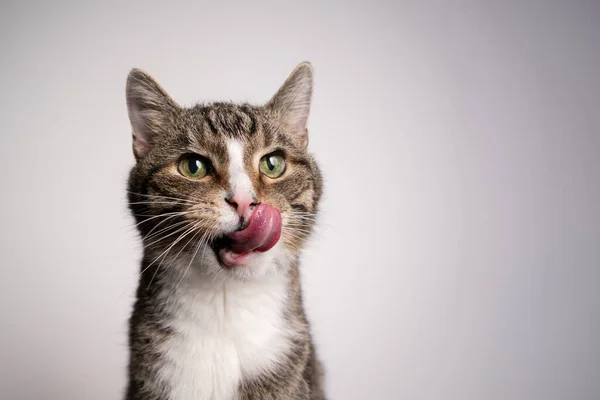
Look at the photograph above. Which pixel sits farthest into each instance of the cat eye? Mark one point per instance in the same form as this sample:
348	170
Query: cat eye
193	167
272	165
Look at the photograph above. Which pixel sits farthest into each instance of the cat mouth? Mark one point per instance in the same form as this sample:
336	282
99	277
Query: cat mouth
260	235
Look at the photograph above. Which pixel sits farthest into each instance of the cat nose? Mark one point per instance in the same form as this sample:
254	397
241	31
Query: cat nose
243	204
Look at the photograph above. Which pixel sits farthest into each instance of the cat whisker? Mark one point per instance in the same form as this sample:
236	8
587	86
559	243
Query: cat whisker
301	232
203	239
187	232
160	197
299	213
301	222
174	258
297	232
292	211
174	203
183	248
151	235
174	213
304	217
296	236
301	217
165	236
291	244
210	232
292	225
303	225
160	223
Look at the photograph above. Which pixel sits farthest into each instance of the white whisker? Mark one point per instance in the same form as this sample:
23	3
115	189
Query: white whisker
175	213
166	236
170	247
205	235
153	196
170	226
174	259
155	202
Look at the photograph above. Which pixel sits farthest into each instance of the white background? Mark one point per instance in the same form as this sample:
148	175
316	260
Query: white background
458	255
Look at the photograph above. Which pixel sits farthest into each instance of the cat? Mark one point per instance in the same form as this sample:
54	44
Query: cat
224	196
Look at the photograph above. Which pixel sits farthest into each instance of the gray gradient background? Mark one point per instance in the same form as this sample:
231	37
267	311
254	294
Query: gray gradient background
458	255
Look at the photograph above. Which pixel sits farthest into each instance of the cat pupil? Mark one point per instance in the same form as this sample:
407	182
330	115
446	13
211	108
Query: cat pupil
270	164
194	166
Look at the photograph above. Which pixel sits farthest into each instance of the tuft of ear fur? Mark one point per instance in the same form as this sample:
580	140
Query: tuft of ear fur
149	108
292	101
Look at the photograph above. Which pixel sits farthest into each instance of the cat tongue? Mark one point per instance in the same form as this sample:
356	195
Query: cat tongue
261	234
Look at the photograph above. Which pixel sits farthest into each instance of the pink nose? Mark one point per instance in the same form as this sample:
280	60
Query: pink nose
242	203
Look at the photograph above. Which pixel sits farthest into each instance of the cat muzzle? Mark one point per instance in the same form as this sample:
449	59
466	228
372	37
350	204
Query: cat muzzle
260	235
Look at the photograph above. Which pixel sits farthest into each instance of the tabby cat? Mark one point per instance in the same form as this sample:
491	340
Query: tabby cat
224	196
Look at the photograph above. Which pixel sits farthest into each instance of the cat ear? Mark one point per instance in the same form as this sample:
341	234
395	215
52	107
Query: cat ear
291	103
149	107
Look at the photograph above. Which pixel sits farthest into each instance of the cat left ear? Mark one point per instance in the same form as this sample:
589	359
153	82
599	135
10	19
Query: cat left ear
149	107
292	101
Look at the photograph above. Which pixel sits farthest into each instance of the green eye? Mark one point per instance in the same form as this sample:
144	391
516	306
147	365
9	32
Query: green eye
272	165
193	167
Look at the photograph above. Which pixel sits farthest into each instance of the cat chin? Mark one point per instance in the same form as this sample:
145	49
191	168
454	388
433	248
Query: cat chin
253	266
232	259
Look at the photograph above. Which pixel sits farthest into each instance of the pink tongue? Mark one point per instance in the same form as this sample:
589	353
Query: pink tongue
261	234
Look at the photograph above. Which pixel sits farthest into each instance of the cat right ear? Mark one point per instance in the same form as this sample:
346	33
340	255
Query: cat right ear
291	103
149	107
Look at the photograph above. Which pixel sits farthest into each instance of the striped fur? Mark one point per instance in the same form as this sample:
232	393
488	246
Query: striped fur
199	330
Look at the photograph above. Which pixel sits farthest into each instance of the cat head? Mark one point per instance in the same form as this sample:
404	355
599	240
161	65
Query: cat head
228	190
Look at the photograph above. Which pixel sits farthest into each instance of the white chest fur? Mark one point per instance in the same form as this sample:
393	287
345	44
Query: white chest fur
224	332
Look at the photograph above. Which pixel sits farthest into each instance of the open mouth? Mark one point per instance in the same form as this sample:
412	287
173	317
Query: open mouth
260	235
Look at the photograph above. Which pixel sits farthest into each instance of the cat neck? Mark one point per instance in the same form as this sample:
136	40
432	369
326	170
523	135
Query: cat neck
224	331
194	287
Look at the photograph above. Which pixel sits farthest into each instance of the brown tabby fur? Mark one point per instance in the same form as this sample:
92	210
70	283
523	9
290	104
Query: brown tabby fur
175	131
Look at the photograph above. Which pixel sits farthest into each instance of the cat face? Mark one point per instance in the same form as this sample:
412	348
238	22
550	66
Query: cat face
228	190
